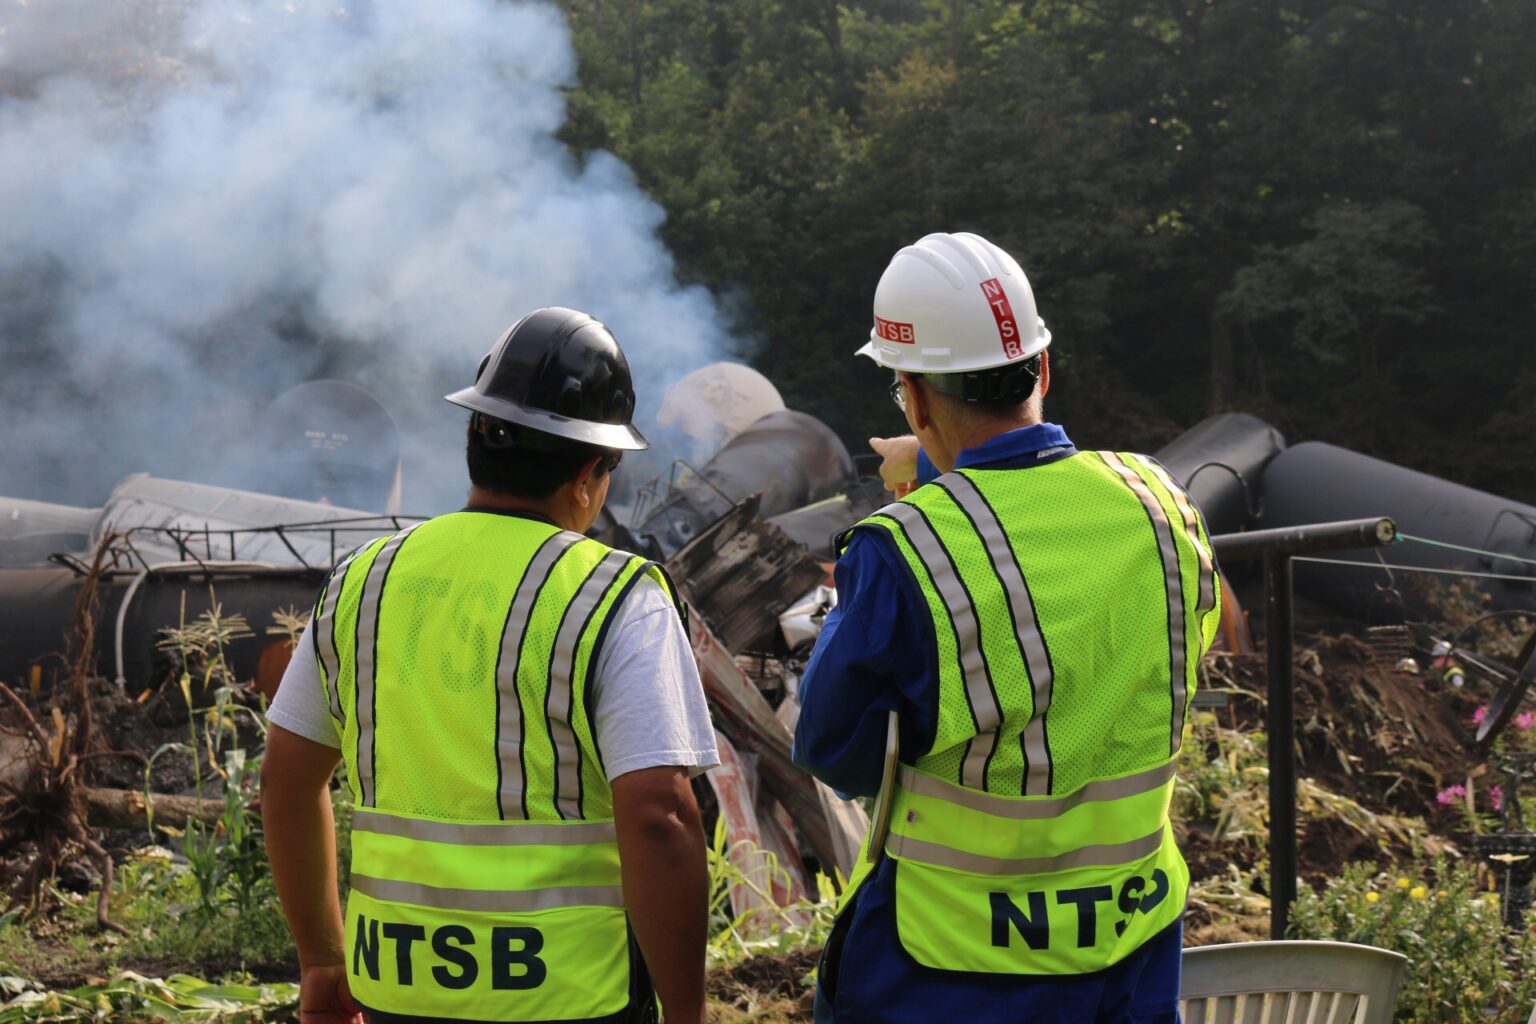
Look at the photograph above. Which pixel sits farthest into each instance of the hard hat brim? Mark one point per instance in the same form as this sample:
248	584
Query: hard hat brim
871	350
619	436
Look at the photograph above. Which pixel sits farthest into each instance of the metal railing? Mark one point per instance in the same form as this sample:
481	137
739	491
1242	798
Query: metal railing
210	547
1277	548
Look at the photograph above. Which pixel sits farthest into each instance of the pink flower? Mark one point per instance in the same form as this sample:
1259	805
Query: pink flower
1448	797
1496	794
1479	715
1525	720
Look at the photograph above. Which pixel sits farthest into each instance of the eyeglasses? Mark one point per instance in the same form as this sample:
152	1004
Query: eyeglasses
897	395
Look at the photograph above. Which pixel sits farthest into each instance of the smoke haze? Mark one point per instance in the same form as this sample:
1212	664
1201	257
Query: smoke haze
203	204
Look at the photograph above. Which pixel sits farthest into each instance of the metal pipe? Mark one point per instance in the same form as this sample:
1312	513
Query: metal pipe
1280	715
122	617
1372	532
1276	547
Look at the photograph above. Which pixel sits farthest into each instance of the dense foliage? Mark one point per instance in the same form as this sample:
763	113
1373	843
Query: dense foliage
1323	212
1462	964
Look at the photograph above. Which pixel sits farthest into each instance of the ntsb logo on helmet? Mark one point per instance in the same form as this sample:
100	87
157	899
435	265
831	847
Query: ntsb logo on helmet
892	330
1002	312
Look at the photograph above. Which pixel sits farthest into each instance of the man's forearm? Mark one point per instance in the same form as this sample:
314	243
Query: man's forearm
666	889
301	845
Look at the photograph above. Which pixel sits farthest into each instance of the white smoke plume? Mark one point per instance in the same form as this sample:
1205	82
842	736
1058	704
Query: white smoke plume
204	203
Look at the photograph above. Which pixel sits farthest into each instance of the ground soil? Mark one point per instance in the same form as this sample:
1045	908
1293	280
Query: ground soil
761	990
1388	739
56	963
764	988
137	725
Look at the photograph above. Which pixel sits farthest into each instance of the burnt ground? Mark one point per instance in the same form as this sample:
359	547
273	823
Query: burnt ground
142	724
1387	739
138	733
56	963
764	988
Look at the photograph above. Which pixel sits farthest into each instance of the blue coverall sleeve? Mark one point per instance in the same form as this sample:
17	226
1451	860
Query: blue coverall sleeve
927	472
875	654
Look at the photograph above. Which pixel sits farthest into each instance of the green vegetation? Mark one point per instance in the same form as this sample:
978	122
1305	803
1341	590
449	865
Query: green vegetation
1320	211
212	911
1223	790
769	928
132	997
1464	965
160	905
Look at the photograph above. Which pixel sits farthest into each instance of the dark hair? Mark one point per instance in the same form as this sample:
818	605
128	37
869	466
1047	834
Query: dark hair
996	392
527	470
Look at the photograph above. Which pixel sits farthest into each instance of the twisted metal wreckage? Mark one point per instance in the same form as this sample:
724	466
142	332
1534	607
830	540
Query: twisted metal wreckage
748	538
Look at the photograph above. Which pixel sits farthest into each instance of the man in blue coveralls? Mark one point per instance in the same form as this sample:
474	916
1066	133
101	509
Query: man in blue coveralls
1033	615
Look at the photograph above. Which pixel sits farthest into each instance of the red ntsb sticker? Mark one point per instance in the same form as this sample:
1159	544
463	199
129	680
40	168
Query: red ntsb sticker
891	330
1002	312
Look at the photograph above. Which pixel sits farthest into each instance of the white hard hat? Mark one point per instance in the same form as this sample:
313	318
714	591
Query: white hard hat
954	304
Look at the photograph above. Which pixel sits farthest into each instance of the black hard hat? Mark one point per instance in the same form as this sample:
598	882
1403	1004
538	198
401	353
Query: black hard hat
558	372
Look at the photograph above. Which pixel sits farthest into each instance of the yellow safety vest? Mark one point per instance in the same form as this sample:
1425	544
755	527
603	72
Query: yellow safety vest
457	657
1071	603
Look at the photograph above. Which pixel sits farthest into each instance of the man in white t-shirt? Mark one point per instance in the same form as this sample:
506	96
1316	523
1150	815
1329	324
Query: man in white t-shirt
520	715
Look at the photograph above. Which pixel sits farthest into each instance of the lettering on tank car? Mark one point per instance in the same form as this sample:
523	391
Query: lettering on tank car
1027	913
453	957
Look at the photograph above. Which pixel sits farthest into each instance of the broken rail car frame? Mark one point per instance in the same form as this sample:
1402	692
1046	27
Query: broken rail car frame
1276	548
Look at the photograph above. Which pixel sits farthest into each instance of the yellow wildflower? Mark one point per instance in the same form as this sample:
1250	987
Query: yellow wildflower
1372	897
1403	883
1418	892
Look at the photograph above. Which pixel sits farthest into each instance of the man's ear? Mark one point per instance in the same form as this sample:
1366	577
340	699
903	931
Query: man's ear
1045	372
918	402
585	482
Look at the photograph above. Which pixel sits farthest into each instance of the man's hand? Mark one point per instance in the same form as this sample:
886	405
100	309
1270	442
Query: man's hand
325	998
666	883
899	466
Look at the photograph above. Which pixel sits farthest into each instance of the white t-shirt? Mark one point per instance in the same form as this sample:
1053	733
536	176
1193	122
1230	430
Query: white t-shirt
649	707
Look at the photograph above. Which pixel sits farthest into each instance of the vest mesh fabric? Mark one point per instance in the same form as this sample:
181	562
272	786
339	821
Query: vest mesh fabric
1070	605
457	655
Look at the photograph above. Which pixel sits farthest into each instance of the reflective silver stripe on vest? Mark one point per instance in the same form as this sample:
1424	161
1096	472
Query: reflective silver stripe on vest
1107	855
962	613
559	704
1207	598
1037	748
323	629
499	901
494	833
1168	549
1014	809
367	647
509	709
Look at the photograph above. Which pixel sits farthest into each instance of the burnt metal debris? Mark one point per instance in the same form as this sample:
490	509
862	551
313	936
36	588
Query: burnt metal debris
743	572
